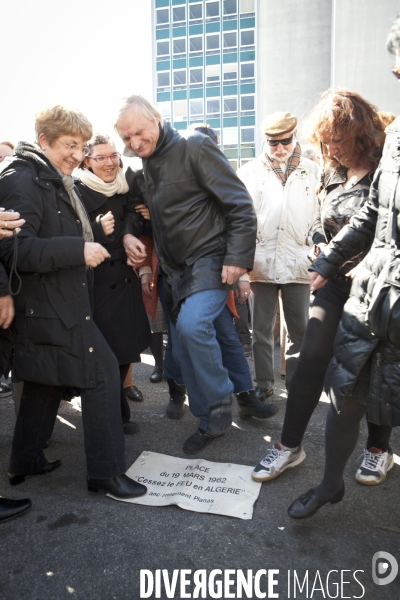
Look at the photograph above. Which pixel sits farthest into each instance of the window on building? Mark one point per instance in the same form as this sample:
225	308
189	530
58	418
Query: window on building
213	106
247	135
164	109
179	46
212	41
230	71
230	39
212	9
247	37
246	6
196	43
180	77
247	70
163	48
180	110
162	16
196	75
230	7
196	108
212	73
179	14
230	136
163	79
195	11
246	103
230	105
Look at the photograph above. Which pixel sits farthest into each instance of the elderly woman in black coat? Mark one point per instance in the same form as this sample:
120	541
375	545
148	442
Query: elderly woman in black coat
56	342
118	308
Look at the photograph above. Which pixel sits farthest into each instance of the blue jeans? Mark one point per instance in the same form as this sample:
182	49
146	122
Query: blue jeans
233	357
196	349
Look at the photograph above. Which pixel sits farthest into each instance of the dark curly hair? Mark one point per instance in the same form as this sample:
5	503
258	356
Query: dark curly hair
347	115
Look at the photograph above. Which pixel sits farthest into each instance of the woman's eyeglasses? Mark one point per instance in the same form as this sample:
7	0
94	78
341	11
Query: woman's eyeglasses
102	159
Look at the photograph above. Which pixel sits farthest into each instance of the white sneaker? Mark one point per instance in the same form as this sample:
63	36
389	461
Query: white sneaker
375	466
276	461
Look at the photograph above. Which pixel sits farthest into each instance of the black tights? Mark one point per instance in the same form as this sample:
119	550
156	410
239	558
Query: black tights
157	348
308	379
125	410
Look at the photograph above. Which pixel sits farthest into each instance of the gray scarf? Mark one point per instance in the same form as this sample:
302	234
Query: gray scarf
68	182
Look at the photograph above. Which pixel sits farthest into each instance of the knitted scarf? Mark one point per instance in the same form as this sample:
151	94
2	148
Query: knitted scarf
292	164
68	182
118	186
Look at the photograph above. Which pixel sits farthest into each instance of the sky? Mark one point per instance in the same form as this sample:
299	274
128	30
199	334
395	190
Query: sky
85	54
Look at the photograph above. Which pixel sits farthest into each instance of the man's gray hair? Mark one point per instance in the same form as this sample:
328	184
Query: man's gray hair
393	41
142	105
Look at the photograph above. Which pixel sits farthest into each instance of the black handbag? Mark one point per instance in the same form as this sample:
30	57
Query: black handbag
384	308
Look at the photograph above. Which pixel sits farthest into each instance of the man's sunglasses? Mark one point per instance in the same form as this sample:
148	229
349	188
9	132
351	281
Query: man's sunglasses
284	142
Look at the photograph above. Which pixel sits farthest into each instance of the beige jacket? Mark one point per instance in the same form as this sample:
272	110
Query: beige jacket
284	219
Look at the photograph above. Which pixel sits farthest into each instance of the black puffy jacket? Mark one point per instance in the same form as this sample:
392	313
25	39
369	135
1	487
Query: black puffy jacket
53	329
354	341
202	216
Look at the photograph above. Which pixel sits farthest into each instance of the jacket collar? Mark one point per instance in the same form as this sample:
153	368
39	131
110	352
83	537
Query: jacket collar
166	134
35	157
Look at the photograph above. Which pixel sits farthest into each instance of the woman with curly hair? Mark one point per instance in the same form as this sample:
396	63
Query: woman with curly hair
350	134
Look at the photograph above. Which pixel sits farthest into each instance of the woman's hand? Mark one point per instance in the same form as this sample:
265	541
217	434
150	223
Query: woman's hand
8	222
316	251
351	274
242	291
94	254
6	311
143	210
147	283
316	281
108	223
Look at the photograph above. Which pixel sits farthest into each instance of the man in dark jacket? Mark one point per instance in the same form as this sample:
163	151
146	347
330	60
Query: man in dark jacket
9	509
204	229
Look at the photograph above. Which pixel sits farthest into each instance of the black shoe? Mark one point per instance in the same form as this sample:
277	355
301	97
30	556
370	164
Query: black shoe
197	442
133	393
263	393
130	427
250	406
220	417
157	375
120	487
176	406
51	466
309	503
5	390
10	509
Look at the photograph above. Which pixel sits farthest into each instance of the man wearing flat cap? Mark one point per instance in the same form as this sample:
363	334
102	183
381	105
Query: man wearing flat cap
283	187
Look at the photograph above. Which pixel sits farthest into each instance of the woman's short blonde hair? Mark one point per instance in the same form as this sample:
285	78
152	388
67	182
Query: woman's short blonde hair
143	106
58	120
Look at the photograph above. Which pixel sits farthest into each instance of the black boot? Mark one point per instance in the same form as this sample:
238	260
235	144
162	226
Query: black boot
177	394
251	406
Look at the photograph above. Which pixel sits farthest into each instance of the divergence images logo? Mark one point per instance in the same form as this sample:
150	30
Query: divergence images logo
384	563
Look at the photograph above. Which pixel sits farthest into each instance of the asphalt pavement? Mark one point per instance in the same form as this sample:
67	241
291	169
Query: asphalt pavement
74	545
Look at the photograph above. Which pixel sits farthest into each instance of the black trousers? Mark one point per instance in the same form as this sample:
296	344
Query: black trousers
101	417
308	379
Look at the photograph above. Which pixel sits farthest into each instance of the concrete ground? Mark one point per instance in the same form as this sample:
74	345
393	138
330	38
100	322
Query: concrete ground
79	546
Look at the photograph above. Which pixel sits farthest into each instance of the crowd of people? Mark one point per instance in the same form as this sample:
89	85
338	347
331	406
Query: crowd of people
96	262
